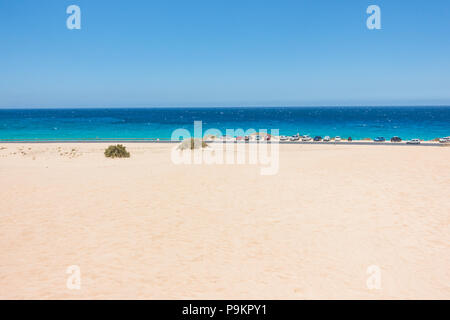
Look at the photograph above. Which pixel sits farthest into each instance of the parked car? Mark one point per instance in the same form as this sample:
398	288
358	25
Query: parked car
268	137
337	138
295	138
350	139
317	138
379	139
326	138
257	137
247	138
413	141
284	138
444	140
396	139
306	138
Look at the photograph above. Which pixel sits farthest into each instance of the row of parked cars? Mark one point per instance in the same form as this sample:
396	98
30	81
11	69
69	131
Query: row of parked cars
298	137
412	141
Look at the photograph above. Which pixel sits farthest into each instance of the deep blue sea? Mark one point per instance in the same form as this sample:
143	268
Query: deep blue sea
357	122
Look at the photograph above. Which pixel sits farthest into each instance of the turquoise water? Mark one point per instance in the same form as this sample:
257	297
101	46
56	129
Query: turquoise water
357	122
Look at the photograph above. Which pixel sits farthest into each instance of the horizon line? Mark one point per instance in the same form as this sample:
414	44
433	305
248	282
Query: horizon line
225	107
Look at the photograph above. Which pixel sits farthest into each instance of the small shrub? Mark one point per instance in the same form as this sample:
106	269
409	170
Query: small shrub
210	137
192	144
117	151
367	139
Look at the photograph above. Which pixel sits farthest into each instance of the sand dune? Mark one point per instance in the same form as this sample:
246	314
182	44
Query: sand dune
146	228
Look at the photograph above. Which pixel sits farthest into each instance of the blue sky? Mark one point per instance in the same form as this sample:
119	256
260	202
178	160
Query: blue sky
223	53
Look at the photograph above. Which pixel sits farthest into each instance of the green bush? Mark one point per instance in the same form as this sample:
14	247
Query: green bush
192	144
117	151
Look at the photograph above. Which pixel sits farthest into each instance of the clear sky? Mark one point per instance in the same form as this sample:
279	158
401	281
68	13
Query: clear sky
140	53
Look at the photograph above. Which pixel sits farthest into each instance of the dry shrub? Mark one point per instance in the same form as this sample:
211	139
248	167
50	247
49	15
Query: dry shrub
117	151
192	144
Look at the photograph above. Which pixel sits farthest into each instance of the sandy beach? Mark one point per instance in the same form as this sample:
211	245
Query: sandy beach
145	228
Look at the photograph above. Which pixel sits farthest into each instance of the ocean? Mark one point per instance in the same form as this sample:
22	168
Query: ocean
151	123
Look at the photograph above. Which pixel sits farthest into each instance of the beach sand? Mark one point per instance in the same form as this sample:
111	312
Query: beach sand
145	228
